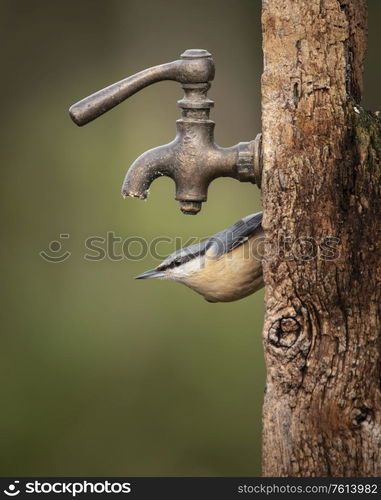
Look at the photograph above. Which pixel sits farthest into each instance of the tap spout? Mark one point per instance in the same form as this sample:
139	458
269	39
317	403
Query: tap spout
193	160
145	169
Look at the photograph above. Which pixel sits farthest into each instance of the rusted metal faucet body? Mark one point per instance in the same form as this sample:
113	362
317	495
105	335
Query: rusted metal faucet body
192	159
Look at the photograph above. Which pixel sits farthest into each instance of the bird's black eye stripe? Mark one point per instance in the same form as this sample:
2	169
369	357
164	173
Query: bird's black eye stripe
177	262
173	264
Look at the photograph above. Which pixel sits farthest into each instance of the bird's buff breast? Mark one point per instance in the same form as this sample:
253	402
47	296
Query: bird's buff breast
232	276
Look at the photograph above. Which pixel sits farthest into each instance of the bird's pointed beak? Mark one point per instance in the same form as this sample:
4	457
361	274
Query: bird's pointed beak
152	273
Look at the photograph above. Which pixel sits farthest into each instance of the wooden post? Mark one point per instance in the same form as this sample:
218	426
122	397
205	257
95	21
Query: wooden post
322	217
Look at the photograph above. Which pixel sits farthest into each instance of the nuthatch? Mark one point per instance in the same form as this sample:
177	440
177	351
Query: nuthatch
225	267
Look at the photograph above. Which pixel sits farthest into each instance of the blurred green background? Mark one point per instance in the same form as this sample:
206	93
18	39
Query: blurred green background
101	374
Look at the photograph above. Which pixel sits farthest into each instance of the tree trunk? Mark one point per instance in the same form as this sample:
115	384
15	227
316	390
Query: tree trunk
322	217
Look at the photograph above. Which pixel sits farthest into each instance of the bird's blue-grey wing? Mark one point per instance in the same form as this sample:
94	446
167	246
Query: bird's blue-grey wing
235	235
221	243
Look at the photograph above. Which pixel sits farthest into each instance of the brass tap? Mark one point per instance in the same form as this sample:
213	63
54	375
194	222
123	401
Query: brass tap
192	159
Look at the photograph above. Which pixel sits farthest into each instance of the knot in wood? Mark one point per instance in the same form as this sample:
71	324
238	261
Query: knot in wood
284	332
361	415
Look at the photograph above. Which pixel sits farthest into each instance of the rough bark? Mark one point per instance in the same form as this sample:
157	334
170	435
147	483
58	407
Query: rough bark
321	179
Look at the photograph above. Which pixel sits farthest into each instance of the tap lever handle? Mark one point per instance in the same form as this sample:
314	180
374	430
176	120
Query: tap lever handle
194	66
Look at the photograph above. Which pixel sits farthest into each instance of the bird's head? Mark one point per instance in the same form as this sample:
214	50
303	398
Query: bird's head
179	266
